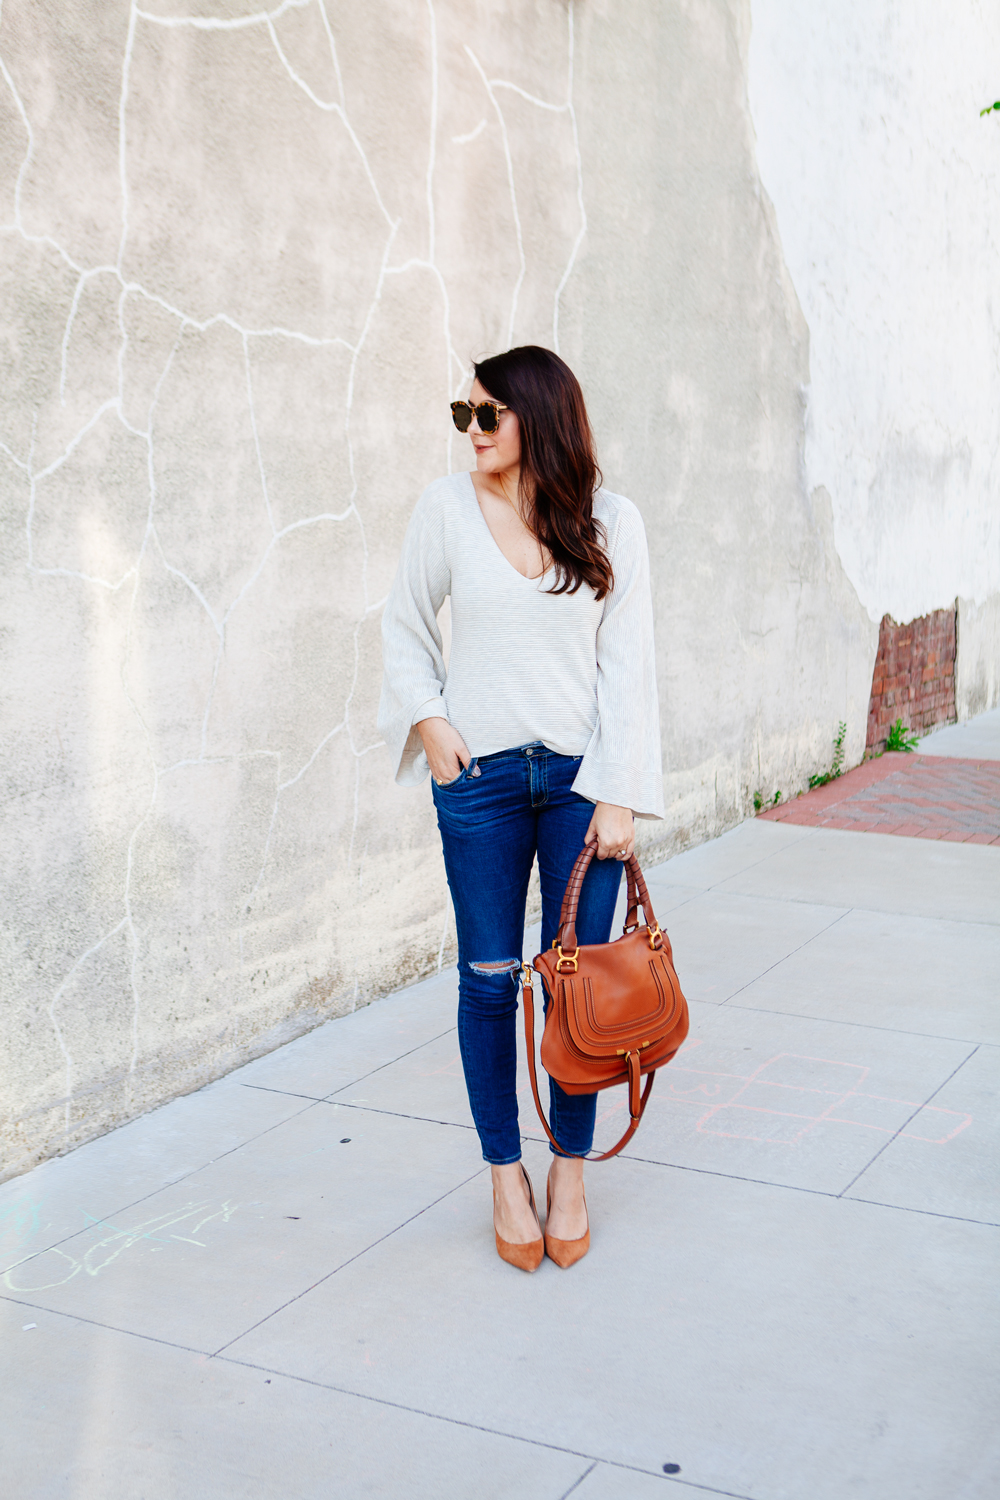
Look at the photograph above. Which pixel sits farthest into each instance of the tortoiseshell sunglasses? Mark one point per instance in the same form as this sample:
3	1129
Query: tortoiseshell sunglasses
487	414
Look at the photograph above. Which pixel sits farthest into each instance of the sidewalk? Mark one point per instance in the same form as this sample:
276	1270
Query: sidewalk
285	1286
950	790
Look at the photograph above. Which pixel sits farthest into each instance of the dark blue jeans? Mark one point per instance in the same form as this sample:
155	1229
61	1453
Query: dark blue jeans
493	819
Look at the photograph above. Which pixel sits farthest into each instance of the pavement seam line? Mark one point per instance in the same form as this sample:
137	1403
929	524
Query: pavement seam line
515	1437
875	911
669	911
313	1099
791	954
382	1066
267	1088
908	1121
930	1036
627	1156
343	1264
397	1114
806	831
577	1482
795	1187
322	1385
131	1333
930	1213
675	1166
162	1188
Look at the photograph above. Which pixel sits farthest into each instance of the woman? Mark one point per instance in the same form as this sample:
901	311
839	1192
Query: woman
542	734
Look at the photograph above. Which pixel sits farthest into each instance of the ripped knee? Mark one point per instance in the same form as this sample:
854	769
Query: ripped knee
496	968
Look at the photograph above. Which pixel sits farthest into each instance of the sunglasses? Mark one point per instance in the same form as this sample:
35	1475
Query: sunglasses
486	413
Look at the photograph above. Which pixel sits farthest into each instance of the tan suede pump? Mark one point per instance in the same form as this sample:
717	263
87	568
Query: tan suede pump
525	1257
565	1253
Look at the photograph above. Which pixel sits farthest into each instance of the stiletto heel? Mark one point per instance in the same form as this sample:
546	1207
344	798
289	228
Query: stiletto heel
525	1257
565	1253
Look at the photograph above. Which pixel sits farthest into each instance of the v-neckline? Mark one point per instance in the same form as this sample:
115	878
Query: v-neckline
495	544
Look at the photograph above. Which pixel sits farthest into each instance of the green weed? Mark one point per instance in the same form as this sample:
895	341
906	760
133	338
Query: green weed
901	739
838	759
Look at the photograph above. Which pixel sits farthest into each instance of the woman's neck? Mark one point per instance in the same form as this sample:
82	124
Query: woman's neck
505	485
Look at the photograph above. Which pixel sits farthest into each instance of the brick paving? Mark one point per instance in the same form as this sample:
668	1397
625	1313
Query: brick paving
912	796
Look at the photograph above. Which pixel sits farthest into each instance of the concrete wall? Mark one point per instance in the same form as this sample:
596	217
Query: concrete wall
246	260
885	184
977	665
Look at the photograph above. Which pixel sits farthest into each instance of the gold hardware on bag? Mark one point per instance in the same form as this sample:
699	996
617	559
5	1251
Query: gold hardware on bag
599	995
566	958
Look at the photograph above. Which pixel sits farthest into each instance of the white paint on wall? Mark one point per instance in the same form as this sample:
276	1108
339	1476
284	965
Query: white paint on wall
886	186
246	259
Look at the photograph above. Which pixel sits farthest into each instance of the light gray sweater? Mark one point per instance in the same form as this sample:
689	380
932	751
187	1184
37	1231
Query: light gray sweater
570	670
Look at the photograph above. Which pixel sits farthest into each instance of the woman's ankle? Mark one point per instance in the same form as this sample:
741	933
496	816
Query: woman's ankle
507	1174
566	1175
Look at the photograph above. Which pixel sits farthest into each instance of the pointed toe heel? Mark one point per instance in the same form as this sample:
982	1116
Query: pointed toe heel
566	1253
525	1257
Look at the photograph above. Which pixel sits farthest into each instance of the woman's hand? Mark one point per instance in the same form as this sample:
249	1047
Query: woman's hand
614	828
445	749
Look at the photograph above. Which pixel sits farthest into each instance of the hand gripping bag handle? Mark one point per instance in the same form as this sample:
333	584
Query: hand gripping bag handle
638	896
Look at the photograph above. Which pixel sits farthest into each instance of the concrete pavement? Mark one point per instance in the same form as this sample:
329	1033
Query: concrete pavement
976	737
285	1285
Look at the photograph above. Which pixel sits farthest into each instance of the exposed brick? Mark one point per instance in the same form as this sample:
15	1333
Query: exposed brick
914	676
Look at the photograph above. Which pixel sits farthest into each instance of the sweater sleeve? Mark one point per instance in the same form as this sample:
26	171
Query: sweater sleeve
413	669
623	762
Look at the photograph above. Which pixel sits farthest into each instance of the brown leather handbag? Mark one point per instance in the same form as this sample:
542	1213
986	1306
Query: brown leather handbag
616	1009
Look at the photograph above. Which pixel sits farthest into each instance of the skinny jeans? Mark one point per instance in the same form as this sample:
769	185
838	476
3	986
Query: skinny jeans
494	817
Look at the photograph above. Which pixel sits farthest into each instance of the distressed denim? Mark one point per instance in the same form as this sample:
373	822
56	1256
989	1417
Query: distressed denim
494	817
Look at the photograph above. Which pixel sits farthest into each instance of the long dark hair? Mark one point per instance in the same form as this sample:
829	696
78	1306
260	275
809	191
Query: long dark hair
559	472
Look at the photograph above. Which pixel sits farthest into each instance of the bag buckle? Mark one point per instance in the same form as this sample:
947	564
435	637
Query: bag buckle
652	934
569	959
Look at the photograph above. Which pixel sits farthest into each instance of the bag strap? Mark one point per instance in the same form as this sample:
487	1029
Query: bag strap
636	1103
638	896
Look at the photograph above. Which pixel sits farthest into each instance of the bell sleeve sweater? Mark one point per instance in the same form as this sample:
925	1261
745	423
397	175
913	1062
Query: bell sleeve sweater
572	671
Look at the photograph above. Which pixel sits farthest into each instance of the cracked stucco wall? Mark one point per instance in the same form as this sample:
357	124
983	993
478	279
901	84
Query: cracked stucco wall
246	258
885	182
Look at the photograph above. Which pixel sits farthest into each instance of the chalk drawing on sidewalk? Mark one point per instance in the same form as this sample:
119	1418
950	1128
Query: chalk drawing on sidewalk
54	1267
788	1097
450	1069
20	1223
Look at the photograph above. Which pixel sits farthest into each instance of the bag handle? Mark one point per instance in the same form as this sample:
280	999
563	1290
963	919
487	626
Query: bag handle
638	896
636	1103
